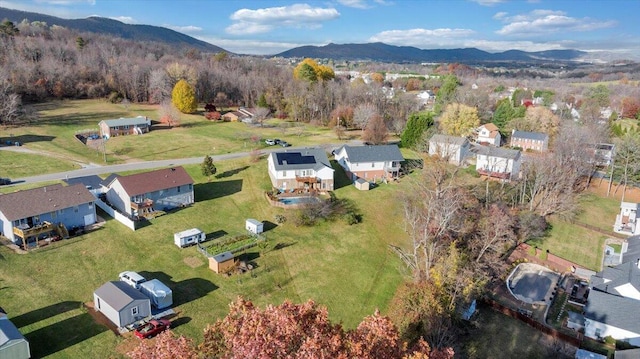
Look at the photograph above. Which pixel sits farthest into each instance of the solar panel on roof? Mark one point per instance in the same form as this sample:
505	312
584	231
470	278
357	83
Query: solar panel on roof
294	158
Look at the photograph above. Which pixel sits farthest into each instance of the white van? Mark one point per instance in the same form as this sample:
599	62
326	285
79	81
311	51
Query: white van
132	278
188	237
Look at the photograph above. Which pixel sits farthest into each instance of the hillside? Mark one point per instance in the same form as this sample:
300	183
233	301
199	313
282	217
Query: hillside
112	27
389	53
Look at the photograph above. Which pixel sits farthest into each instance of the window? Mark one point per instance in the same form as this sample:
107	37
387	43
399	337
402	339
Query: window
178	189
54	215
190	187
90	205
36	219
284	173
75	209
61	211
373	164
134	311
161	192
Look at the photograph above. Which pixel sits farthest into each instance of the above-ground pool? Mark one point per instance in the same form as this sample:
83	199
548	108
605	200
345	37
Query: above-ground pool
298	200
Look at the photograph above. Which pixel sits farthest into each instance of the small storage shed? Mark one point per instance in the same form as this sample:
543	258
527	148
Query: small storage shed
121	303
254	226
188	237
13	345
161	296
362	184
222	263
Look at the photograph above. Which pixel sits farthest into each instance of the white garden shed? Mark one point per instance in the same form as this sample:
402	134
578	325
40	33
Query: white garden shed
254	226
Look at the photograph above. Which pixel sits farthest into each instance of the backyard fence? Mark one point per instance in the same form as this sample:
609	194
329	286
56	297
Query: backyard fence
116	215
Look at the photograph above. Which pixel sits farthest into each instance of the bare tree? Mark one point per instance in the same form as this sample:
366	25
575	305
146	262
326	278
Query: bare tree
376	131
496	230
260	114
363	114
169	114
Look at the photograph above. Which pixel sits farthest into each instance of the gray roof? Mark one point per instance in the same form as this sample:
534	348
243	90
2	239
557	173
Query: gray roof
301	159
223	257
625	273
439	138
536	136
627	354
576	318
585	354
633	249
94	181
9	333
135	121
613	310
377	153
495	152
118	294
36	201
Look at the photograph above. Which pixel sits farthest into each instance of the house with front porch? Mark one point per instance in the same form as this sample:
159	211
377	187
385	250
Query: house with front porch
370	163
497	162
124	126
307	168
29	215
141	194
451	148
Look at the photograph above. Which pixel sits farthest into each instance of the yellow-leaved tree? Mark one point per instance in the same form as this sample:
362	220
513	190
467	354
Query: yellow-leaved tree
459	120
309	70
183	97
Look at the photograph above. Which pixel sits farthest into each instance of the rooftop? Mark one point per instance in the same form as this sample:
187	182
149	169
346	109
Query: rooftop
146	182
36	201
373	153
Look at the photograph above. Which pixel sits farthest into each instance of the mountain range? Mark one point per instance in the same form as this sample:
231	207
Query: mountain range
379	52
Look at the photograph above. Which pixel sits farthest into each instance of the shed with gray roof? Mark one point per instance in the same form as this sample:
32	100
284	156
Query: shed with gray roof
121	303
13	345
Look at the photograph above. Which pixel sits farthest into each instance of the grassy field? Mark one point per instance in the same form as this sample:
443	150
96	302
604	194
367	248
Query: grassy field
348	269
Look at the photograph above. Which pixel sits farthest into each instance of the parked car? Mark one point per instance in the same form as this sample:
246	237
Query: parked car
277	141
284	144
155	326
5	181
132	278
270	142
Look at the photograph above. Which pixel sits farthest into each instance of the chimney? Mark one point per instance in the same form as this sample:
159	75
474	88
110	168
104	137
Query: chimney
638	263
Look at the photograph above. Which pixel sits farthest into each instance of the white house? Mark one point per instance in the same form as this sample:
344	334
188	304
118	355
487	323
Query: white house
627	221
370	162
307	168
497	162
453	149
142	193
121	303
488	134
613	300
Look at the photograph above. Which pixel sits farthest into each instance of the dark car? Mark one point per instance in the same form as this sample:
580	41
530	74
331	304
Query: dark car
284	144
5	181
152	328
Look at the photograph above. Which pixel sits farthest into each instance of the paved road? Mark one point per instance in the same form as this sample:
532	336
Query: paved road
96	169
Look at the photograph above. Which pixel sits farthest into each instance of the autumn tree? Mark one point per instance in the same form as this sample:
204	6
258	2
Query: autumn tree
165	346
376	131
309	70
342	116
540	119
169	114
363	114
208	168
377	77
417	124
459	120
183	97
496	232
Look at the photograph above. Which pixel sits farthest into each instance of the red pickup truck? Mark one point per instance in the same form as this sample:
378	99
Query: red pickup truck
152	328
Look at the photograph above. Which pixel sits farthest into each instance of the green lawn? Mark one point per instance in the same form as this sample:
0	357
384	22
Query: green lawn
348	269
598	211
18	164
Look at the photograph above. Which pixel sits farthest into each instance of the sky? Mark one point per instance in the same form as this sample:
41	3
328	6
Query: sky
267	27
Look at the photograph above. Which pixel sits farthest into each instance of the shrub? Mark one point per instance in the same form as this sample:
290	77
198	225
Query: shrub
609	340
352	218
115	97
280	218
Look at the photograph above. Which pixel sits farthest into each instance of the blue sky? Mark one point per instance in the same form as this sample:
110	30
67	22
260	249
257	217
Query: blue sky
270	26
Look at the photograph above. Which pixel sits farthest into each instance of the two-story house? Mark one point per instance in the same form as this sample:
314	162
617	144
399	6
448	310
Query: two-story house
370	163
530	141
497	162
28	215
142	193
453	149
489	134
124	126
307	168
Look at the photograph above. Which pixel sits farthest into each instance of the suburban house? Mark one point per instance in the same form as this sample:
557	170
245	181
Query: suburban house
497	162
12	343
604	154
121	303
232	116
143	193
28	215
627	220
530	141
370	163
307	168
488	134
124	126
453	149
614	296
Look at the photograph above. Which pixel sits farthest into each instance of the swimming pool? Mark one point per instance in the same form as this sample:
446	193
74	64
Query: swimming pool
298	200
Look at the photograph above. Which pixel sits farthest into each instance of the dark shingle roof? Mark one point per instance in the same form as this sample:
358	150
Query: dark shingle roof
377	153
633	249
495	152
94	181
612	277
147	182
307	158
536	136
613	310
118	294
438	138
36	201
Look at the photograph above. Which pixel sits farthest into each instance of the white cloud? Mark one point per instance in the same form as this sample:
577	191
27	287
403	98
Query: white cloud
249	21
66	2
189	29
358	4
422	38
540	22
488	2
58	8
125	19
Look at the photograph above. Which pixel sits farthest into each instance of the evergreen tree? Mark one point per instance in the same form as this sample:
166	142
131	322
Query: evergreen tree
208	168
417	123
183	97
